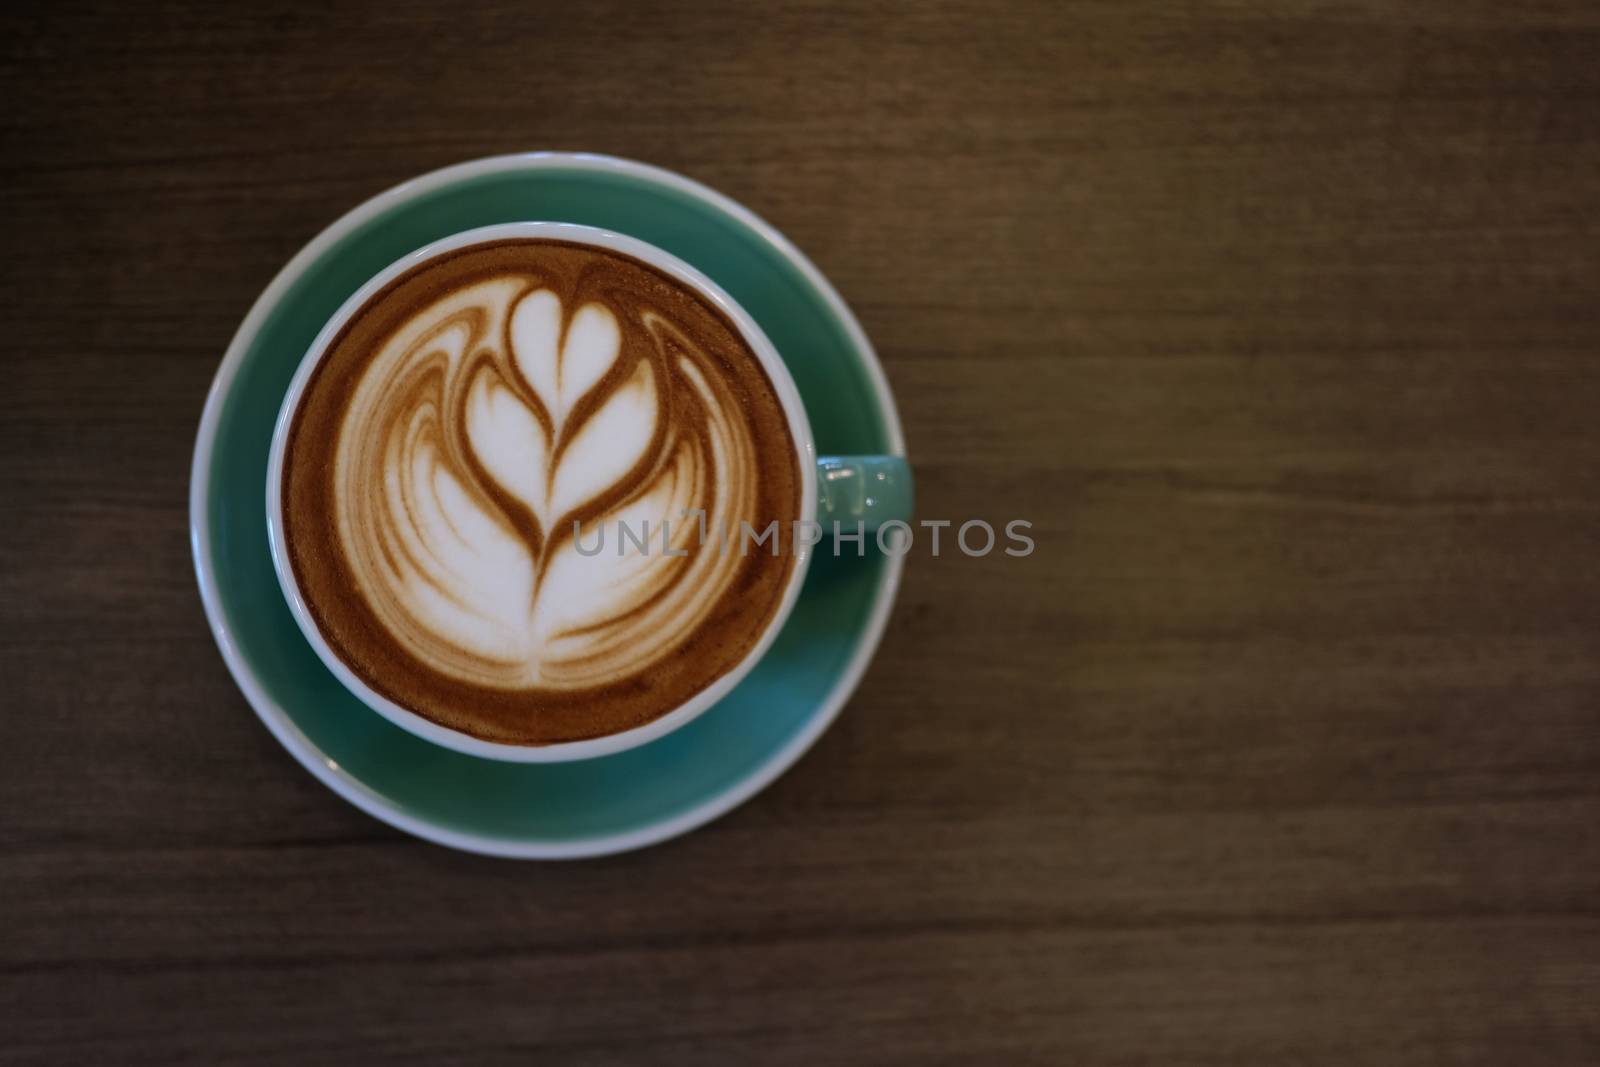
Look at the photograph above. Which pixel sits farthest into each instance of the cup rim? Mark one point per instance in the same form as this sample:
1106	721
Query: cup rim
561	751
282	724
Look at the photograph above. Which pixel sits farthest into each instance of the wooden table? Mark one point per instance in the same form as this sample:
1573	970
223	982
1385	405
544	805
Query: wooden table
1278	320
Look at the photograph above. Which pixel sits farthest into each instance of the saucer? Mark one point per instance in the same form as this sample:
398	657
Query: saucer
550	810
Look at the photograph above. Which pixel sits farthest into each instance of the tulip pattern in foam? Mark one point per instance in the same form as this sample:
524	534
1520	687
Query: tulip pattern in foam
490	423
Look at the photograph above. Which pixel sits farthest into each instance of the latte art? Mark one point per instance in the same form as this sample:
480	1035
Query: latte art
477	418
483	433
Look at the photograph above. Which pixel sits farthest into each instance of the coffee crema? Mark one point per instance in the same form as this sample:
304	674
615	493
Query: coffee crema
460	424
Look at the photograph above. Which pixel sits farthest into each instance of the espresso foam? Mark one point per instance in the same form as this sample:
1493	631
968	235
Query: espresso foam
460	425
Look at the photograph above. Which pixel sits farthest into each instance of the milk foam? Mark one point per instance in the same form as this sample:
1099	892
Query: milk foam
482	429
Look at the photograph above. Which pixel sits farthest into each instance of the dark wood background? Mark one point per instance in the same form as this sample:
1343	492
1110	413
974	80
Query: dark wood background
1281	321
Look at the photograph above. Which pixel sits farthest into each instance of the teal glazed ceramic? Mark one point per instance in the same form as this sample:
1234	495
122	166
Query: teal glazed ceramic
548	810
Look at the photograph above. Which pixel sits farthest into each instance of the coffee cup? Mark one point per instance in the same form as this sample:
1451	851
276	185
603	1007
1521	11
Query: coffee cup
438	594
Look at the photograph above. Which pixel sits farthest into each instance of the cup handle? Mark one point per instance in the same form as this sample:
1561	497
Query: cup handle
869	489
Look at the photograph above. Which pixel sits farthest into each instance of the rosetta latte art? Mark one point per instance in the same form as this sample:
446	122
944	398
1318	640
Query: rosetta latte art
465	437
489	426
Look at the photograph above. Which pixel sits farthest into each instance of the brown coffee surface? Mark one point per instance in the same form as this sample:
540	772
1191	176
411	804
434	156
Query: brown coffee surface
468	435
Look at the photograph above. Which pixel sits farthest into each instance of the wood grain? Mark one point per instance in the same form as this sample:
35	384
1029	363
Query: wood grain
1278	320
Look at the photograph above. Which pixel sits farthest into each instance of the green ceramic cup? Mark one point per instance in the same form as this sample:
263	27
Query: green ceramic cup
864	493
618	801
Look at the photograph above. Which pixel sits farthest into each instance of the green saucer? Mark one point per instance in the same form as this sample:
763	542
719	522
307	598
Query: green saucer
556	810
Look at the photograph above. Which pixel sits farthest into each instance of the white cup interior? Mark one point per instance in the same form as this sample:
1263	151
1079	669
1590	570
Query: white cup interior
783	385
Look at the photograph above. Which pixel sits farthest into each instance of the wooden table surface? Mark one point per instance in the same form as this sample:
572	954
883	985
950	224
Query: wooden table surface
1281	323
